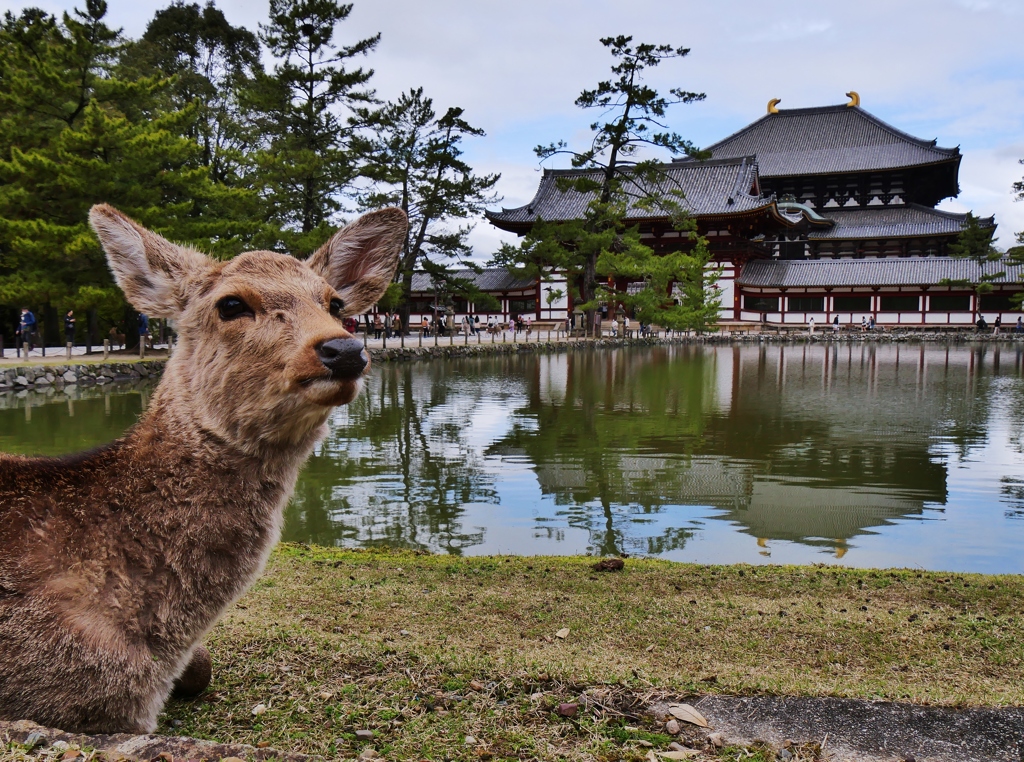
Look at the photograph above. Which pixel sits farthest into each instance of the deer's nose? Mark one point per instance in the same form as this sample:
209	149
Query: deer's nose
345	358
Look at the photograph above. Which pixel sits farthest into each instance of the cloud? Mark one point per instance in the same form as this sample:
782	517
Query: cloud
951	70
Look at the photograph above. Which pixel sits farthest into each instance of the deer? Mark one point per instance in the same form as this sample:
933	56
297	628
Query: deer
115	563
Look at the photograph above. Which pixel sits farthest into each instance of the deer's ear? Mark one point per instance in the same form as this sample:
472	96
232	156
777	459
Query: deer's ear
154	273
360	259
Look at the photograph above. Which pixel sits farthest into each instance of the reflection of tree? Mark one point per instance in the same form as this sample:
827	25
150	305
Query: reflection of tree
78	418
813	444
397	470
599	451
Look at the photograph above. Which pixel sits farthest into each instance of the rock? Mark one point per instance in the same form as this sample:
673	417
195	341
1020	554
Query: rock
716	740
675	746
672	727
368	754
36	739
196	677
259	709
609	565
20	381
364	735
231	759
568	710
470	741
262	744
785	755
476	685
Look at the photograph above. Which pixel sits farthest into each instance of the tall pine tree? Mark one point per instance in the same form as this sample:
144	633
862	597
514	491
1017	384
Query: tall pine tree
304	167
617	176
107	140
413	159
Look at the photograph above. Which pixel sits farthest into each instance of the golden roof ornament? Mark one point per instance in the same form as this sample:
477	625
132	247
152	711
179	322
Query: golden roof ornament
773	105
854	99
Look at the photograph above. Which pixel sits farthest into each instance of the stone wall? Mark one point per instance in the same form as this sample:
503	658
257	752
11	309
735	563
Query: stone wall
41	377
58	377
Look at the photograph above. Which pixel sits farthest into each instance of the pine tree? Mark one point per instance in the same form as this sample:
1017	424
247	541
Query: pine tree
118	148
413	160
209	60
975	243
616	177
304	169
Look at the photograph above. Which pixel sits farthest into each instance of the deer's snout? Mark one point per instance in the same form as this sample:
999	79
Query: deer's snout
345	358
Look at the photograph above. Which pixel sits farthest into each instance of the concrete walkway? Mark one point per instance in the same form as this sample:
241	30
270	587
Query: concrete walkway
867	731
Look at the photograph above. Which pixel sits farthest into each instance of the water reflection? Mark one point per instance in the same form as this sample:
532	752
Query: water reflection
867	455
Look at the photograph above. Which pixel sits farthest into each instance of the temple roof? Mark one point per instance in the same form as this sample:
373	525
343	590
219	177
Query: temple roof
910	220
928	271
488	279
710	188
827	140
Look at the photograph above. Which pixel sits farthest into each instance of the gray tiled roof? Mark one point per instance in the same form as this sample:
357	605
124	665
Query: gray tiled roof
489	279
891	222
869	272
710	188
828	139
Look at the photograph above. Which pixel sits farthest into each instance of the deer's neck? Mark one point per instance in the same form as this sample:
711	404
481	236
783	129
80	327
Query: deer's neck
211	513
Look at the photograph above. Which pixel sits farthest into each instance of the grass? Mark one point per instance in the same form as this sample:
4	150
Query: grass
427	650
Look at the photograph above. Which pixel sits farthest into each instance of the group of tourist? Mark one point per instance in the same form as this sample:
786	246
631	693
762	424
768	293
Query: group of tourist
997	324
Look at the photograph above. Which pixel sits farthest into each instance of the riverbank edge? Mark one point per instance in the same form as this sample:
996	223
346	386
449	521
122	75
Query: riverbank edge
59	374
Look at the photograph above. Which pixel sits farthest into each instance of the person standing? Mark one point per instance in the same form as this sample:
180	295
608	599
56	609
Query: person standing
143	328
835	324
69	327
997	324
863	323
378	326
396	324
1020	326
810	326
27	328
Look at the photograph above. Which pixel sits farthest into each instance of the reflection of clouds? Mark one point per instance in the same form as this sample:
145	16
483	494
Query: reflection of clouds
781	454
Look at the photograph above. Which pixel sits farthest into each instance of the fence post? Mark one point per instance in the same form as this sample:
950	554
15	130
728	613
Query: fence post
106	349
24	348
69	350
142	347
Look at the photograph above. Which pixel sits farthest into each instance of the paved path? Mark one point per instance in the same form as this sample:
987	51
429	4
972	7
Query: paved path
870	731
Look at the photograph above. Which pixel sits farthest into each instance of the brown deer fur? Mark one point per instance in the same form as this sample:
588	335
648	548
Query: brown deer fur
114	563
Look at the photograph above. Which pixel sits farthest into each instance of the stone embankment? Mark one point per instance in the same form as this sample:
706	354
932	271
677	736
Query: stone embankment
58	377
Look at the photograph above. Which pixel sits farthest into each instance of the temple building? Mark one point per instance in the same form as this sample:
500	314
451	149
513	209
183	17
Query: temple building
816	212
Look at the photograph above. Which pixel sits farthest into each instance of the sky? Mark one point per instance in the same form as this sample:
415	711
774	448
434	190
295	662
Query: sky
952	70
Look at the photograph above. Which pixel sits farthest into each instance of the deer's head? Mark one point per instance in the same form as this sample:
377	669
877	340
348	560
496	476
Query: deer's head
262	356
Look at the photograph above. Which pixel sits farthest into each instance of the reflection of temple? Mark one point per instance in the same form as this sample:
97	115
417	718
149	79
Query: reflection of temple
790	443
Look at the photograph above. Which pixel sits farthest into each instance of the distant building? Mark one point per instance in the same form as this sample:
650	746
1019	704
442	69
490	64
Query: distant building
816	212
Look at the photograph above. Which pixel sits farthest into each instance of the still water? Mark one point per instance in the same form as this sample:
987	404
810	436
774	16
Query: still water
859	455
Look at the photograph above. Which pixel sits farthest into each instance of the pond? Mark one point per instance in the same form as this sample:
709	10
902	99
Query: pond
861	454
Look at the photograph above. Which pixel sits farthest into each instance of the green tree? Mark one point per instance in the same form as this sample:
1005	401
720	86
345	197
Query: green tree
975	244
304	167
413	160
118	148
209	60
615	177
50	71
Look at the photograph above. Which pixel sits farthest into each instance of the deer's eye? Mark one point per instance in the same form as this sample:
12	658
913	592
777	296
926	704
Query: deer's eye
337	306
231	307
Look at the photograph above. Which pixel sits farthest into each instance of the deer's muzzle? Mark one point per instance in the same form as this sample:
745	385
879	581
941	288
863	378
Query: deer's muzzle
344	358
